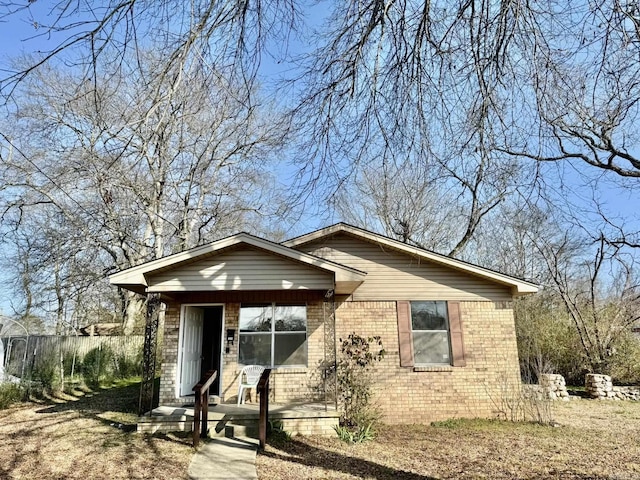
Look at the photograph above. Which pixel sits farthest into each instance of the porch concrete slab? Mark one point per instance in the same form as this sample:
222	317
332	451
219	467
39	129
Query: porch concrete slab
225	459
299	418
251	411
221	409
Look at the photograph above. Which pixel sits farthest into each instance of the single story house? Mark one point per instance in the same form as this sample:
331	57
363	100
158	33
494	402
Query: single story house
447	326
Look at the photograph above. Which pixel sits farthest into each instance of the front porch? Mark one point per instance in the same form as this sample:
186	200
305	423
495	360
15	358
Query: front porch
232	420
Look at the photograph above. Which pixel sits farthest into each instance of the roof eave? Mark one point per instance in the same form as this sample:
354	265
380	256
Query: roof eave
135	278
132	287
525	289
519	287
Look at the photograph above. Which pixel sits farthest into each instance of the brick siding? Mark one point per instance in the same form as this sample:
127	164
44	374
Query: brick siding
404	394
425	394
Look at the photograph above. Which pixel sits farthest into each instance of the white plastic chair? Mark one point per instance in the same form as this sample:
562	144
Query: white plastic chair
249	378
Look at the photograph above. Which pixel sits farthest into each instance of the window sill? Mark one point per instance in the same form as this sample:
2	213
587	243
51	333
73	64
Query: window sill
433	368
289	370
283	370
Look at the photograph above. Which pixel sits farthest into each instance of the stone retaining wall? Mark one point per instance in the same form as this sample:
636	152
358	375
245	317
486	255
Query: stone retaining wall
554	386
551	386
601	387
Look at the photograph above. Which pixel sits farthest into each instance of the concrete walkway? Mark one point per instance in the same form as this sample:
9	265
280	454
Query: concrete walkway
222	458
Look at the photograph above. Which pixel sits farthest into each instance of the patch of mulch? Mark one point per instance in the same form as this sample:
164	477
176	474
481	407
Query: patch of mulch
591	440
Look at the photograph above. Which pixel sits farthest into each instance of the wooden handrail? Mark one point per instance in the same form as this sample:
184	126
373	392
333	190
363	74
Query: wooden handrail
201	407
263	392
206	381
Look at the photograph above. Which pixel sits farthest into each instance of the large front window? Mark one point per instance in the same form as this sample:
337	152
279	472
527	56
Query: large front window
273	335
430	331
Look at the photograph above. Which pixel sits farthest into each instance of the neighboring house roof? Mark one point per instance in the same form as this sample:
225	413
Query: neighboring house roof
136	278
102	329
518	286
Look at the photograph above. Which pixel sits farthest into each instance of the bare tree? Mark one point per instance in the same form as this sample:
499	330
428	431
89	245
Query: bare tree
142	166
546	81
391	81
55	275
430	204
583	95
93	35
601	294
416	104
408	80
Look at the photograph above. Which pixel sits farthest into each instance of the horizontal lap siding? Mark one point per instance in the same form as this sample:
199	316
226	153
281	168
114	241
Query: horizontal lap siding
263	296
248	269
393	275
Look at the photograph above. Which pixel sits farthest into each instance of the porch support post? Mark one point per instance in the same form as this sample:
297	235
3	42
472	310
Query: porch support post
154	307
329	375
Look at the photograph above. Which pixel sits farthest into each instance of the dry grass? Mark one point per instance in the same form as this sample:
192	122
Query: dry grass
84	436
89	436
593	440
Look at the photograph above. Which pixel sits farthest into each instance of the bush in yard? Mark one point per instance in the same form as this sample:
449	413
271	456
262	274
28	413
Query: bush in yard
276	431
624	360
515	403
547	341
46	372
98	366
550	340
10	393
127	366
354	385
72	363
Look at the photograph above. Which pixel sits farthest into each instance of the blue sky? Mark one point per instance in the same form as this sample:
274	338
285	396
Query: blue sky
19	35
620	198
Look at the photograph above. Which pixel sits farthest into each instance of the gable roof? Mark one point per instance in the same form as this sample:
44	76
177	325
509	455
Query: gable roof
518	286
135	278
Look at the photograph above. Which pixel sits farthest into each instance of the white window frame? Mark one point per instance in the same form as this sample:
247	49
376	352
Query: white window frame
273	332
447	332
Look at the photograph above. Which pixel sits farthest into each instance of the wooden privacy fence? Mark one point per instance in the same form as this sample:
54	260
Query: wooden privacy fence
46	346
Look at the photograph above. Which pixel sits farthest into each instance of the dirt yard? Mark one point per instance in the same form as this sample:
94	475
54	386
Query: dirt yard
592	440
87	437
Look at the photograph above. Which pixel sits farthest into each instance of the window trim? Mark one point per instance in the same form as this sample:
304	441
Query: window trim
273	332
446	331
405	335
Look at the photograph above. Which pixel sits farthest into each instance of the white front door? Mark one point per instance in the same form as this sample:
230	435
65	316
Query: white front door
191	349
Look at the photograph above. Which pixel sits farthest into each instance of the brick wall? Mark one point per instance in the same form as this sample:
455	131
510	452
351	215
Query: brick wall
287	384
424	394
169	358
404	394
